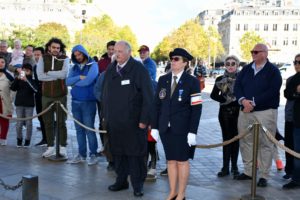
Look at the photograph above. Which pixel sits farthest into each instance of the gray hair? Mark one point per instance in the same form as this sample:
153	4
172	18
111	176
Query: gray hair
3	42
233	57
126	44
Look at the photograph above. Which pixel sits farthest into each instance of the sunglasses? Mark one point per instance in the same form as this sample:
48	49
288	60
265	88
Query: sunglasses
296	62
255	52
175	59
232	64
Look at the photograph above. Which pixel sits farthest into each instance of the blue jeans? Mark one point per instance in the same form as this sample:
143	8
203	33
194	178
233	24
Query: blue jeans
296	172
85	112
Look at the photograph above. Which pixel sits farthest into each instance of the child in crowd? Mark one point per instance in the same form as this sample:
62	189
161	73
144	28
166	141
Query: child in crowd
5	100
25	88
17	55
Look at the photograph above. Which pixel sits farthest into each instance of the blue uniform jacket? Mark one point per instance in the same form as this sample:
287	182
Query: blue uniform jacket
177	110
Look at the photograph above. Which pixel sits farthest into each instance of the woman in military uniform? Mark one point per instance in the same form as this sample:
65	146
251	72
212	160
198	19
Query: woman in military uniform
176	118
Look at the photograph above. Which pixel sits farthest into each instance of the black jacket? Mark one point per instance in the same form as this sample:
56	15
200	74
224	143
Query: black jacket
177	110
25	92
127	100
291	94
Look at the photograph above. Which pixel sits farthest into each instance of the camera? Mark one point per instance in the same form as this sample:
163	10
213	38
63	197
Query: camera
22	74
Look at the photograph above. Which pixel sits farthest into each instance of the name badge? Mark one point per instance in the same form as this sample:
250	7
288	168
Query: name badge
125	82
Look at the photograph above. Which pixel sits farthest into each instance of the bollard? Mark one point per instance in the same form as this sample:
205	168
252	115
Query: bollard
30	188
253	195
57	156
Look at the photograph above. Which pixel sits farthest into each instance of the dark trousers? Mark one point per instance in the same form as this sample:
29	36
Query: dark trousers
152	152
38	108
107	151
100	123
228	118
135	166
296	169
289	142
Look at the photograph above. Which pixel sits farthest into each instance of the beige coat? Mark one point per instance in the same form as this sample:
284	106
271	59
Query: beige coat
5	95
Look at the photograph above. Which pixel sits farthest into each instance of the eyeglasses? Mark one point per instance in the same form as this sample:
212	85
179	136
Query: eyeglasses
175	59
297	62
255	52
232	64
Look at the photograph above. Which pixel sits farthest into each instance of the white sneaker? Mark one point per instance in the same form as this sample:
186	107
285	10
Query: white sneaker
49	152
151	175
3	142
63	151
76	159
93	160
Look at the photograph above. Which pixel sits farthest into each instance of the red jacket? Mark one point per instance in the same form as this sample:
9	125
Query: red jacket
103	63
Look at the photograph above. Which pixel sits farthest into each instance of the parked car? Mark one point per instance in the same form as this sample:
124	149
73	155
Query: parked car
217	72
287	70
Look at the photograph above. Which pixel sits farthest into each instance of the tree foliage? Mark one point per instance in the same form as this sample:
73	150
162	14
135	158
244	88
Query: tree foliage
25	34
191	36
247	42
99	30
46	31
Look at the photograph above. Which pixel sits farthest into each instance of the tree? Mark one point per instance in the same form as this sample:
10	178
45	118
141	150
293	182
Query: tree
247	42
215	46
99	30
190	36
44	32
25	34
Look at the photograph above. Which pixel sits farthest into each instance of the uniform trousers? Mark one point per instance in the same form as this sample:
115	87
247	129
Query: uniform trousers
135	166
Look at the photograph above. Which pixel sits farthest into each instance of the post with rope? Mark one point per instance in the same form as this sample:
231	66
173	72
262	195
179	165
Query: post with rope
30	188
253	195
57	157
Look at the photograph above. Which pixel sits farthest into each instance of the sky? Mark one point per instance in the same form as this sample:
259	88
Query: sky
151	20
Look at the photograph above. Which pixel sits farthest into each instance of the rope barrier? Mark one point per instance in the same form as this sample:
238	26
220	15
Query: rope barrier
276	142
78	122
28	118
235	138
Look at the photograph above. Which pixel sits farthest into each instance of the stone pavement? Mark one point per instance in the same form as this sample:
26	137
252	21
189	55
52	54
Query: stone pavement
61	181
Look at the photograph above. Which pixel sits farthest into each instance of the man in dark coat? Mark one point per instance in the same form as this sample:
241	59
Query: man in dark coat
127	98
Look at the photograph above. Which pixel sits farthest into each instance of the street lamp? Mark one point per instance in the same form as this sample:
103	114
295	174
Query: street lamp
83	22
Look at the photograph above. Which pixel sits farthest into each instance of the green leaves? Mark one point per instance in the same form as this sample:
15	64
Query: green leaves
247	42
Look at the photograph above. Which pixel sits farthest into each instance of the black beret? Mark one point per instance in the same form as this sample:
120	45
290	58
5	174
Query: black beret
27	66
181	52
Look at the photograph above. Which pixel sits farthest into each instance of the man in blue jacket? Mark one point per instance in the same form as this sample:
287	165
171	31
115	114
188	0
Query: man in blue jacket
82	77
147	61
257	90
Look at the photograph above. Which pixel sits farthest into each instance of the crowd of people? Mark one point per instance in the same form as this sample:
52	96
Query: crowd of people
137	111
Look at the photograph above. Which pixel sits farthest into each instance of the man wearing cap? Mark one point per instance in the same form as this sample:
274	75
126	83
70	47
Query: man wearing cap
147	61
176	118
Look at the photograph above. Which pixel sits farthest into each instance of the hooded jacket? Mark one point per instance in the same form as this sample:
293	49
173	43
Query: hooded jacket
82	90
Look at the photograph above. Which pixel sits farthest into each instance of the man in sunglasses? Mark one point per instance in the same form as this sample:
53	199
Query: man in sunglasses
257	89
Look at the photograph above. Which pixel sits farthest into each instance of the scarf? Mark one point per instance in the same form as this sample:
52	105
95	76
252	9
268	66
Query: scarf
226	86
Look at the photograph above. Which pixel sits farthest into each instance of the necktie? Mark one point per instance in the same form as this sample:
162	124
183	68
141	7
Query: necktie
119	68
174	84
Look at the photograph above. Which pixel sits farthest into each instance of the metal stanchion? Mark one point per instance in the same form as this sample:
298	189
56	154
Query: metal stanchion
30	188
57	157
253	195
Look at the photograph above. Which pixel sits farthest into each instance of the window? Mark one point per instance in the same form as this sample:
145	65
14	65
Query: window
237	27
245	27
286	27
276	13
274	27
256	27
285	42
274	42
265	27
294	42
295	27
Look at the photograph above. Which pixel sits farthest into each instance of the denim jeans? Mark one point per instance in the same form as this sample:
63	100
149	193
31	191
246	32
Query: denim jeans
24	112
296	171
85	112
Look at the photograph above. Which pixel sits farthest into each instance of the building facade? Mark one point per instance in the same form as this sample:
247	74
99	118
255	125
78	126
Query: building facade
32	13
279	27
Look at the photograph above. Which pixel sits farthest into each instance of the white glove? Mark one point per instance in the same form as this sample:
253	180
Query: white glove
154	133
191	139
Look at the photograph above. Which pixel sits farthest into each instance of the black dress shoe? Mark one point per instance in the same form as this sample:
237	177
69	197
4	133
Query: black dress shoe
291	185
286	176
164	172
117	187
138	193
262	182
243	177
174	198
223	173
